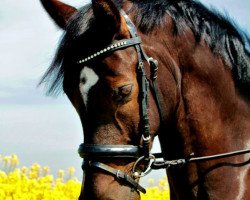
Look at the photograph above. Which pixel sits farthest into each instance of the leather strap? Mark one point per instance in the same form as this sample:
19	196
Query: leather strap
172	163
126	43
143	86
156	91
120	175
105	151
114	46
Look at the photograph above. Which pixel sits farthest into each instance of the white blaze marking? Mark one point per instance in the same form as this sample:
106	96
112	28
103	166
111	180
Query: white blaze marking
88	78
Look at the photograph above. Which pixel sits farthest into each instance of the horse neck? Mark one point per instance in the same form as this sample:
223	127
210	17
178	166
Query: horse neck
213	110
210	108
207	114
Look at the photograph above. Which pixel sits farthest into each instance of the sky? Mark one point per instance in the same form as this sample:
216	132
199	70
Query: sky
34	126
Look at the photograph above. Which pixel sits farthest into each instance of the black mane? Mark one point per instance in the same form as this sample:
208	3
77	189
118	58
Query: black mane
220	33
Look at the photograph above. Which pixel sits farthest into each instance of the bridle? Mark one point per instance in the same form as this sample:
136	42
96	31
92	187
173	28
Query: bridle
92	152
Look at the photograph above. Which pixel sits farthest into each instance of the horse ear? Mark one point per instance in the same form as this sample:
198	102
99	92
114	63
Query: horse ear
60	12
107	15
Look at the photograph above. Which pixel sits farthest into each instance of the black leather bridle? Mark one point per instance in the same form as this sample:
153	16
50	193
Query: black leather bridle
93	152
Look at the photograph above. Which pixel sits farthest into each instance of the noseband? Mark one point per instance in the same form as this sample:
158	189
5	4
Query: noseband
93	152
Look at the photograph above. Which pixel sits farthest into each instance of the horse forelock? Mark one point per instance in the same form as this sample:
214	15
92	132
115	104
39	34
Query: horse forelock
54	76
220	33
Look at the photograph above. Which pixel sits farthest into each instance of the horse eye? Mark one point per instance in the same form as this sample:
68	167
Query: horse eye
83	80
122	92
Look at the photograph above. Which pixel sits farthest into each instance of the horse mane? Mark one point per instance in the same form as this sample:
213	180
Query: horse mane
219	31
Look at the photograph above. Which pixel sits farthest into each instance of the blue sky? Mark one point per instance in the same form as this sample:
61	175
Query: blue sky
35	127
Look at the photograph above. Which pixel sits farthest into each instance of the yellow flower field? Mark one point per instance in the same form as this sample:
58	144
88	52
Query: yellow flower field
36	183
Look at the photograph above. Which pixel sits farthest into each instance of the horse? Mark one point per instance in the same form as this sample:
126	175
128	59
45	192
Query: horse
174	69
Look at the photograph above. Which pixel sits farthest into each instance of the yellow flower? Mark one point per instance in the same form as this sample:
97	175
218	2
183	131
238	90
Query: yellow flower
14	160
150	181
35	167
3	176
60	174
71	171
24	170
6	159
163	183
46	170
28	184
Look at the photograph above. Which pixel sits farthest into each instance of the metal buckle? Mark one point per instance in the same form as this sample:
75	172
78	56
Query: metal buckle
148	168
154	67
146	139
118	174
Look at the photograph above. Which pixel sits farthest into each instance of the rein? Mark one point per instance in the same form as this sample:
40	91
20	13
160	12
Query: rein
180	162
94	152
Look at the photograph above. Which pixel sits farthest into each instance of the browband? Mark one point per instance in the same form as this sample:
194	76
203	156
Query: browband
114	46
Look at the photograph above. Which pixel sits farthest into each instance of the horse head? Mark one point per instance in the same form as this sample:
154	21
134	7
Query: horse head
102	57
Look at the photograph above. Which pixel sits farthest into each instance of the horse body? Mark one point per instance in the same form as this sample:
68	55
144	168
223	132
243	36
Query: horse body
205	111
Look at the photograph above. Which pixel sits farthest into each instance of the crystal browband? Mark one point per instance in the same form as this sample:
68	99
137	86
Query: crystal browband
113	47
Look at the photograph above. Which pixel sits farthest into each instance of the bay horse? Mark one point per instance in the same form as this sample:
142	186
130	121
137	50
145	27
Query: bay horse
173	68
